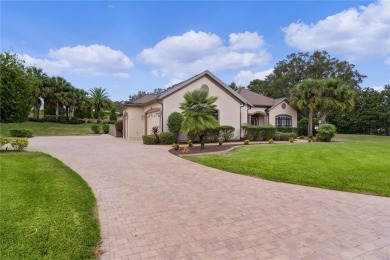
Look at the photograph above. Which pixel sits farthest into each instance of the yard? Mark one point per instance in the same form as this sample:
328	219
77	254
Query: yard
47	128
47	210
350	163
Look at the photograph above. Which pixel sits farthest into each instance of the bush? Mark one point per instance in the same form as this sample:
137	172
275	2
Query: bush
293	135
3	141
326	132
174	123
270	141
20	133
250	132
149	139
175	146
263	133
95	129
220	141
106	128
291	139
19	144
247	142
277	136
119	126
212	135
226	132
185	150
113	115
190	143
167	138
284	136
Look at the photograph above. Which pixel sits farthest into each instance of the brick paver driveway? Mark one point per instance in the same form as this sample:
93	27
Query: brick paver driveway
158	206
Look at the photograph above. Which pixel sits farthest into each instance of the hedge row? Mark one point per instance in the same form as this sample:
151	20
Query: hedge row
262	133
20	133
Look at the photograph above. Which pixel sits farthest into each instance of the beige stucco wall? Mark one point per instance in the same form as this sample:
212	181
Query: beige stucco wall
278	110
135	124
229	107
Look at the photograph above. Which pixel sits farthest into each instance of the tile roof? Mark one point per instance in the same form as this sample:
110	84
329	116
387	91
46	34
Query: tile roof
144	99
255	98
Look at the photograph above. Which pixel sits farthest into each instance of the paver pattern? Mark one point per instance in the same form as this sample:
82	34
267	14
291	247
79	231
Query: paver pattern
153	205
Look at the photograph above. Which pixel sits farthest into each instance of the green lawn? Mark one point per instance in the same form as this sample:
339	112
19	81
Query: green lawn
47	210
47	128
349	163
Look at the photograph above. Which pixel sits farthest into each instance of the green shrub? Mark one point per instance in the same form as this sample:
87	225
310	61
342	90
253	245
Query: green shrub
149	139
190	143
220	141
291	139
263	133
119	126
174	123
175	146
19	144
20	133
326	132
277	136
247	142
95	129
106	128
270	141
288	130
226	132
167	138
293	135
212	135
284	136
192	137
250	132
3	141
113	115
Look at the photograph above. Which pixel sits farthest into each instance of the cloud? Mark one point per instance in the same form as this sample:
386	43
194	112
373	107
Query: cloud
94	59
356	33
193	52
244	77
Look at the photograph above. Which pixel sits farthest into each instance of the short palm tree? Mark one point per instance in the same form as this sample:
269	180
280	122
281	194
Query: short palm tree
100	100
198	110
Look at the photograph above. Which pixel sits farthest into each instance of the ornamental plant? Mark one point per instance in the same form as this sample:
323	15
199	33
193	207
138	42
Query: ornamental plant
155	132
175	146
326	132
190	143
220	141
3	141
19	144
291	139
106	128
185	150
95	129
246	142
271	141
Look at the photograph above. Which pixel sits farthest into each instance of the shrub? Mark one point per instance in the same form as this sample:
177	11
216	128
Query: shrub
326	132
284	136
119	126
246	142
3	141
250	132
19	144
190	144
291	139
113	115
301	137
174	123
167	138
149	139
106	128
155	132
220	141
288	129
95	129
192	137
267	132
185	150
293	135
20	133
270	141
175	146
277	136
263	133
310	140
226	132
212	135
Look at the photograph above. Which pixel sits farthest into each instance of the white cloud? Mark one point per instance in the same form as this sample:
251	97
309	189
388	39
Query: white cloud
362	32
193	52
378	88
94	59
244	77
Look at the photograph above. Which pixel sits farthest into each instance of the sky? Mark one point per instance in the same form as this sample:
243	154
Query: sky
131	46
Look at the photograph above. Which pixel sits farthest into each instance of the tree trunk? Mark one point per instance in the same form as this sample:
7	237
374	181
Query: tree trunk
36	111
201	142
310	124
323	118
67	113
57	111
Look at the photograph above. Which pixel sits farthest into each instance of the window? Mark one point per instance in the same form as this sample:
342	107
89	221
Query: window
254	121
283	121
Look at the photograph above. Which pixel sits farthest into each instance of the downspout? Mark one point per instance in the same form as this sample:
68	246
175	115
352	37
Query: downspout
242	105
247	113
162	115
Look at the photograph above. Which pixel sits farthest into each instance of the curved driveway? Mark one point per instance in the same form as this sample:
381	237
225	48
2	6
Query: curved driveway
154	205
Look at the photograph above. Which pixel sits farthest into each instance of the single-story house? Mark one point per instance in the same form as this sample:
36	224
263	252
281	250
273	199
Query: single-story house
234	108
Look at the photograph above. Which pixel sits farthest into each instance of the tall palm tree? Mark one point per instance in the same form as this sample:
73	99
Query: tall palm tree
306	95
100	100
55	93
335	96
40	79
198	111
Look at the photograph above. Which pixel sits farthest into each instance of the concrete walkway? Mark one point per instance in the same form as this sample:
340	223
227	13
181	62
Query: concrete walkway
153	205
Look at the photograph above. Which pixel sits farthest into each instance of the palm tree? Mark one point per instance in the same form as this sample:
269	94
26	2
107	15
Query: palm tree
335	96
198	111
100	100
40	79
55	93
306	95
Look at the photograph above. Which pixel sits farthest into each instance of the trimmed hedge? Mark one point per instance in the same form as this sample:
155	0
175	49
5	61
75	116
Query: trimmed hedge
226	132
149	139
284	136
106	128
95	129
167	138
20	133
263	133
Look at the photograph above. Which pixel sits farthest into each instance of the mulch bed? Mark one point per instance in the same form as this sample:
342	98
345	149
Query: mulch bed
209	148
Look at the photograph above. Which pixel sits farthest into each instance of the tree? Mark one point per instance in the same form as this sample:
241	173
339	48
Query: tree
335	96
233	86
16	89
198	110
175	121
100	100
306	95
40	80
137	96
300	66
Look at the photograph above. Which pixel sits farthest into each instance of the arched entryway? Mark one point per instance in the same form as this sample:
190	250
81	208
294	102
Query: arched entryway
258	118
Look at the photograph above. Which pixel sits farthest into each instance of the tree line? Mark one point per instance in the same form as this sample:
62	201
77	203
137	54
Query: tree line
25	87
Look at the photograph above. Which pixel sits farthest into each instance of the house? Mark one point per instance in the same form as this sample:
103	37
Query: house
233	108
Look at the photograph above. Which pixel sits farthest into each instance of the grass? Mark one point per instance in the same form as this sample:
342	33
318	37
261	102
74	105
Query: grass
47	128
47	210
351	163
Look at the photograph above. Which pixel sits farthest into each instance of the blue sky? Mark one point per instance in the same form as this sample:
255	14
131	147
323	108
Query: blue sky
127	46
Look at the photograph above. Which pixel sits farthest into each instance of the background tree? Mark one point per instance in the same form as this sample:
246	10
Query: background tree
100	100
233	86
300	66
16	89
306	95
198	111
40	80
175	121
